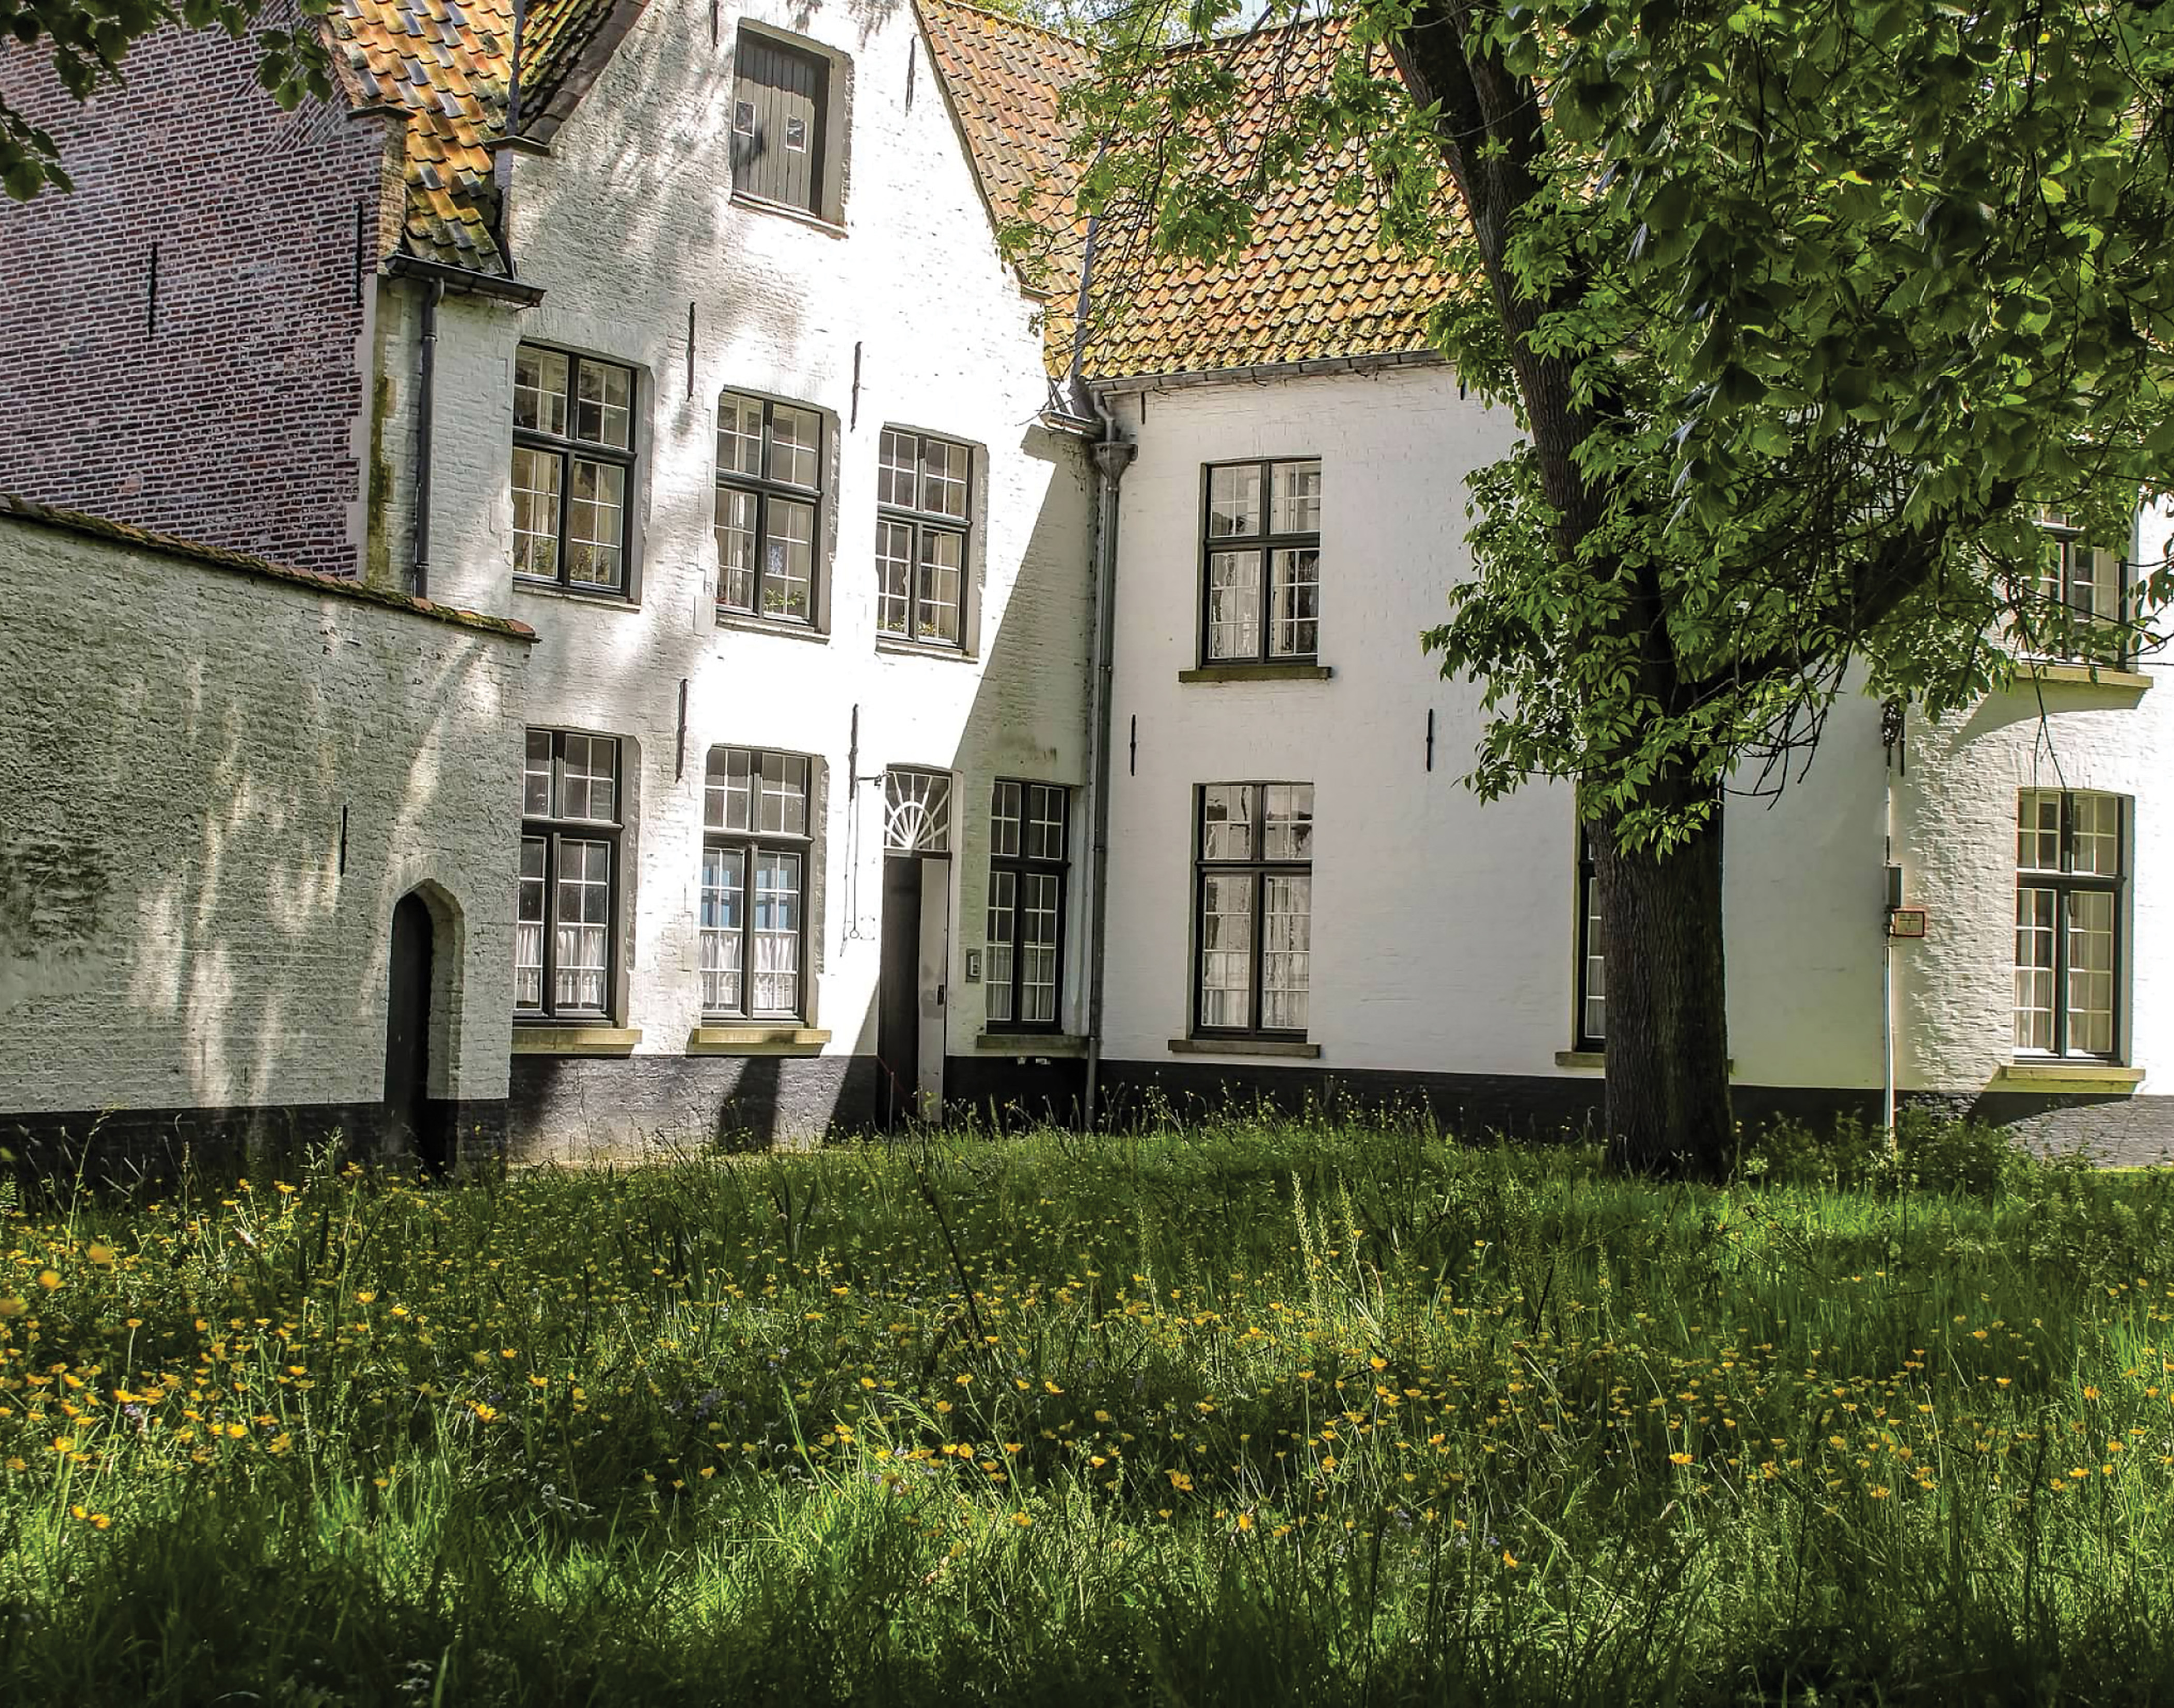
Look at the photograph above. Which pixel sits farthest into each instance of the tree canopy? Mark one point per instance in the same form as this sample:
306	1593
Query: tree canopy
1809	312
1835	297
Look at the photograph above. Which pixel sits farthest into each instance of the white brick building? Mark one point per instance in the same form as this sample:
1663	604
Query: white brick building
692	347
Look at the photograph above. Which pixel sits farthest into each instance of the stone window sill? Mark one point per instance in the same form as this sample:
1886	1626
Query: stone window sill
1257	673
2067	1076
748	624
922	649
1244	1046
995	1043
1596	1060
2094	675
576	1041
605	598
756	1040
763	204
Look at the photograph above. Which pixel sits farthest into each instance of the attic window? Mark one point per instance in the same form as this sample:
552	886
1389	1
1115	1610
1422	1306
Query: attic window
781	105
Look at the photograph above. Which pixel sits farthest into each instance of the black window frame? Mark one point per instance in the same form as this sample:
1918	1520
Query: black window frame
923	523
1265	545
1021	865
2063	613
748	844
1583	1038
2064	883
763	488
1261	869
553	828
567	448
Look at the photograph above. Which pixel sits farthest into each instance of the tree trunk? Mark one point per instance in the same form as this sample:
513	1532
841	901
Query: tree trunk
1668	1027
1668	1109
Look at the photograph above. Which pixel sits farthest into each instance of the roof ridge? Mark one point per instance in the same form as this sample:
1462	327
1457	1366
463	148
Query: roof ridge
1007	17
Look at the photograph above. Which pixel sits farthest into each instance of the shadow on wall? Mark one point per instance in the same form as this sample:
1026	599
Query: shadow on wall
198	917
1036	674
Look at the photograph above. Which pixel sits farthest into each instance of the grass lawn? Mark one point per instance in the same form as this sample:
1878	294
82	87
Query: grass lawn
1257	1413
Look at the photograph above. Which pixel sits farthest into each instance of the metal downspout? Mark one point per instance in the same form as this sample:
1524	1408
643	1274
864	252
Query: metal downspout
1112	456
425	371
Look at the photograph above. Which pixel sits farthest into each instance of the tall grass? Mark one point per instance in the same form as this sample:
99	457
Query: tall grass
1274	1412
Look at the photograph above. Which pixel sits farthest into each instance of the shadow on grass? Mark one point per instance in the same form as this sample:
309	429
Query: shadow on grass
208	1603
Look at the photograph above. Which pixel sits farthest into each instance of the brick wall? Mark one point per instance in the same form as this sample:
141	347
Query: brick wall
218	784
237	413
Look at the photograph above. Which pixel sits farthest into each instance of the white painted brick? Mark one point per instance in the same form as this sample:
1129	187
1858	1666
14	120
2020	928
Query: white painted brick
629	220
176	929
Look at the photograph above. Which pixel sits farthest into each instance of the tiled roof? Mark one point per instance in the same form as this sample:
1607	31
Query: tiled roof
1314	281
1004	79
448	63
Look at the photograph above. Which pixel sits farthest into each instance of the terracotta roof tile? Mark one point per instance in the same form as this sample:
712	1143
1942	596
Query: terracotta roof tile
449	63
1313	281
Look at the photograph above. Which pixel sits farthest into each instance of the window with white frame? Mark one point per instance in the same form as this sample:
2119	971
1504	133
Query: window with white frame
1253	881
1591	1026
1030	836
770	507
571	819
2069	874
757	842
1261	549
573	469
924	488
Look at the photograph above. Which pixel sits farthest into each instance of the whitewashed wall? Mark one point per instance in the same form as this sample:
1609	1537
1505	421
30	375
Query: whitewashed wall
629	220
181	926
1956	824
1443	930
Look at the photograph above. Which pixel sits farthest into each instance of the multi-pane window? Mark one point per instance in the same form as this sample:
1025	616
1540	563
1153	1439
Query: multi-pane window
1029	826
1591	1026
573	468
1254	865
1262	552
770	507
922	488
571	815
2078	604
757	843
2068	922
780	96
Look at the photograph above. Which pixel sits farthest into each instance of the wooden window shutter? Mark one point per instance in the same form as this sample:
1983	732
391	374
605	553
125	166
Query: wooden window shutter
778	104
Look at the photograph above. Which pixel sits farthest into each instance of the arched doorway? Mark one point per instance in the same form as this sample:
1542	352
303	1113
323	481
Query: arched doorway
413	1122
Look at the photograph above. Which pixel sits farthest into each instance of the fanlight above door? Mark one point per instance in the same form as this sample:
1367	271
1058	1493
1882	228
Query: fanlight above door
917	812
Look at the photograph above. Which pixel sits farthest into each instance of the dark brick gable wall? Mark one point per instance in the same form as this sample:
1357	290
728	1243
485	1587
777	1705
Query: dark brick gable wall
239	417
